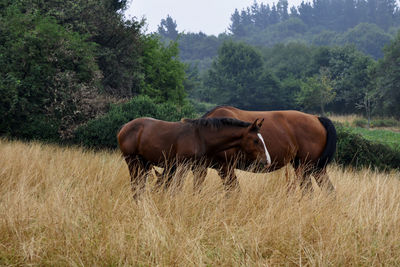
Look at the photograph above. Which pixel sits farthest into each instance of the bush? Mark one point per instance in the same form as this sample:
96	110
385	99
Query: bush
102	132
354	150
47	73
385	123
360	123
376	123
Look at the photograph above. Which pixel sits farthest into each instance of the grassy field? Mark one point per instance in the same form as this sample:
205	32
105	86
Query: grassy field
387	137
65	206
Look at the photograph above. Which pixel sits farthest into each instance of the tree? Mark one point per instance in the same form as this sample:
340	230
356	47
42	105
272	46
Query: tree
290	60
316	91
237	77
349	70
194	46
168	28
236	27
282	8
368	38
59	65
118	40
367	104
387	80
163	73
47	77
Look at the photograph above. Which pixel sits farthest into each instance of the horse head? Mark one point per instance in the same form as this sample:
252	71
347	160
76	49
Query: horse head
253	144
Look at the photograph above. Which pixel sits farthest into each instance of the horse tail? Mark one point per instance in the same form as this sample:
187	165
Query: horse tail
330	147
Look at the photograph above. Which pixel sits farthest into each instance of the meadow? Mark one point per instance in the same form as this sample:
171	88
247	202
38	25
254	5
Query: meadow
390	138
67	206
378	133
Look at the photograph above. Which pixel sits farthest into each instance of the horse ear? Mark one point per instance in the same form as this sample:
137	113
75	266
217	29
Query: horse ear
260	123
254	126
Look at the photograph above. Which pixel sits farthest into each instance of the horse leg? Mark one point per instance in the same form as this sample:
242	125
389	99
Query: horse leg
165	179
138	170
229	178
323	181
304	178
199	175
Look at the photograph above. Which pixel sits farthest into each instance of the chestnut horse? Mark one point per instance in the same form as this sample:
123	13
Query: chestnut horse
145	142
306	141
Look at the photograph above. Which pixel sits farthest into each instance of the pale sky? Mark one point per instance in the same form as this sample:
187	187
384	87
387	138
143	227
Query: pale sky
208	16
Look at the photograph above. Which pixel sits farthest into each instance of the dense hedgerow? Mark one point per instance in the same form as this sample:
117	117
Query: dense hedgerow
102	132
354	150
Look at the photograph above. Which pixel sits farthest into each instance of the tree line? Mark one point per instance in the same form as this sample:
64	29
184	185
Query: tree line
336	15
340	69
367	24
342	80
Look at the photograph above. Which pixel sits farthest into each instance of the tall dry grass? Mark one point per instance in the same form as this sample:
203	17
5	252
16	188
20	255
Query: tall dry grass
349	118
65	206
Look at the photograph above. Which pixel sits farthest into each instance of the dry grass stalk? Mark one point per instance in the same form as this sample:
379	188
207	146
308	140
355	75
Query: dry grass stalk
65	206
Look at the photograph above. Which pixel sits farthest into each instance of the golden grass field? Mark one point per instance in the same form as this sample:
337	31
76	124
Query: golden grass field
65	206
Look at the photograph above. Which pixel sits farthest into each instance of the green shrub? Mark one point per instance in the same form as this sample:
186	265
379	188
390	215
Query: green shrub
43	68
360	123
385	123
376	123
354	150
102	132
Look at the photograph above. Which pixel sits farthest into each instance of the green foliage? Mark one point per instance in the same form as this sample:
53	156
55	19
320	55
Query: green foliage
287	77
237	77
316	91
389	138
45	73
368	25
386	123
349	71
63	62
325	38
293	60
167	28
354	150
368	38
102	132
118	40
283	32
387	80
194	46
377	123
163	73
360	123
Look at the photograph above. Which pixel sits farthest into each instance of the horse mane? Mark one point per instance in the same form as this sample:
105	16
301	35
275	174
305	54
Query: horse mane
216	122
212	110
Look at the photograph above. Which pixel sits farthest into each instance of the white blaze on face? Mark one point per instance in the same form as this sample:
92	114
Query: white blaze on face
265	148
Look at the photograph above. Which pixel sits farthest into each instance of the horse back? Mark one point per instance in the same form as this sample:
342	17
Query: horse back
288	134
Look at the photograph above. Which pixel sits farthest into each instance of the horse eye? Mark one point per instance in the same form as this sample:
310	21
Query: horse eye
255	141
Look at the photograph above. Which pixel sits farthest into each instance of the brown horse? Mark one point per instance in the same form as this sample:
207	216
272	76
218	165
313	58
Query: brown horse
306	141
145	142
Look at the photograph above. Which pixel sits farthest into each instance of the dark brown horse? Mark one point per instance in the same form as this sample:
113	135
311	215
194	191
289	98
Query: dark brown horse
306	141
145	142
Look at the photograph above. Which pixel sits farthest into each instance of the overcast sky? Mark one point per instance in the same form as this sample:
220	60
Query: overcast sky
208	16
